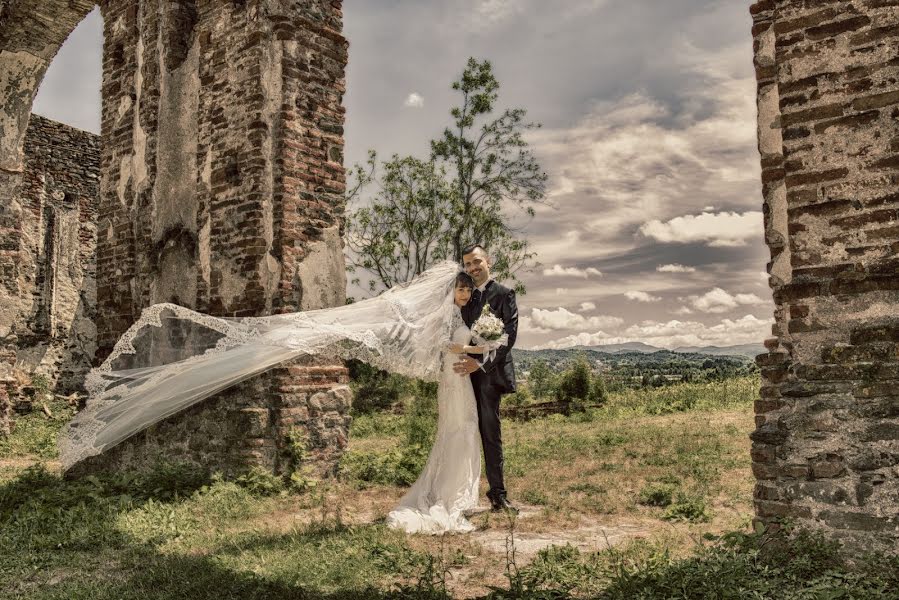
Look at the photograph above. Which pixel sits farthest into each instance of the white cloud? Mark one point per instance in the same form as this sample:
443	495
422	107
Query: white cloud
526	325
714	229
641	296
745	330
560	271
719	301
562	318
490	13
414	100
638	158
561	291
683	310
585	306
675	268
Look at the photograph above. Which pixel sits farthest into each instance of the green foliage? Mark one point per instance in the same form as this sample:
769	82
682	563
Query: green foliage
41	385
401	232
376	424
687	507
429	210
575	383
520	397
110	537
683	397
578	385
598	393
737	565
541	380
633	370
374	389
400	465
35	433
755	565
260	482
657	494
300	478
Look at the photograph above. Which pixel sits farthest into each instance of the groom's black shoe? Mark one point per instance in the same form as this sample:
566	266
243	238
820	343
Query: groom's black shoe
503	504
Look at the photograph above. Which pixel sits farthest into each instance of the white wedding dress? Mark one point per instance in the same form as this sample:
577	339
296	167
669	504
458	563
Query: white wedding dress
174	357
448	484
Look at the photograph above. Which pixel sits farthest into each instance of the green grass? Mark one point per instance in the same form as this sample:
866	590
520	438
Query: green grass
34	434
179	537
737	565
667	455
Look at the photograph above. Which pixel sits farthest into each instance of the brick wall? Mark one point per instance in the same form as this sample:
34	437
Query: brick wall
826	447
55	331
222	190
31	33
48	262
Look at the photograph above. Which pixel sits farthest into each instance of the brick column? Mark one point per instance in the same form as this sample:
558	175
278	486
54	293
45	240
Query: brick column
222	190
826	447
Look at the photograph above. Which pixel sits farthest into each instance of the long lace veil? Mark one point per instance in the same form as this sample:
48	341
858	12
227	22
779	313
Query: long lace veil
174	357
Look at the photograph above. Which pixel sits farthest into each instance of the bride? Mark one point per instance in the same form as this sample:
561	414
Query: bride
174	357
448	484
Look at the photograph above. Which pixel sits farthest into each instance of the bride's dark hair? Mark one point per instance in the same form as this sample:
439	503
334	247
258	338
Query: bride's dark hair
463	279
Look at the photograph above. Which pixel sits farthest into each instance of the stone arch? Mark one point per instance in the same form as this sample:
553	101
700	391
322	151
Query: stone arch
31	34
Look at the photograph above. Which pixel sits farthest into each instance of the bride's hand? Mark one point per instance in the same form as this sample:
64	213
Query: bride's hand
455	348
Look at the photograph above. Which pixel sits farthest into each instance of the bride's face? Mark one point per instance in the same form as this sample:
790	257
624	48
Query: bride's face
463	295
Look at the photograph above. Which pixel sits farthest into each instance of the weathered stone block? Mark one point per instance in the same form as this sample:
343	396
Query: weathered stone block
827	466
858	521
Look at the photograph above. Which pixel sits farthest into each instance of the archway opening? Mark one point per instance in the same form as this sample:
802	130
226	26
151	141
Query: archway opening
48	208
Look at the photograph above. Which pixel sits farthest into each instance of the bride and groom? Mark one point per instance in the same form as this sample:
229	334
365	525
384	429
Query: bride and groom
468	399
173	357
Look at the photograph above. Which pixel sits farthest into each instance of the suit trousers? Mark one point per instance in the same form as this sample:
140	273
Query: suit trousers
487	395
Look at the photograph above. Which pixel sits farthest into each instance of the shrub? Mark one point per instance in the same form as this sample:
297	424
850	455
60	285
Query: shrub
687	508
657	494
575	382
374	389
260	482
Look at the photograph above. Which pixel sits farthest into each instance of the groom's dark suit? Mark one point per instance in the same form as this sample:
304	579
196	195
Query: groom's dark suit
496	378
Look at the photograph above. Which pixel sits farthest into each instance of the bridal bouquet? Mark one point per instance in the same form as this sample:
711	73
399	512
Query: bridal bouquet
487	327
488	331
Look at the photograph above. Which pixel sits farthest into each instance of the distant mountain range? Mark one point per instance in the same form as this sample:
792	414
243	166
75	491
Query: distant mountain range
748	350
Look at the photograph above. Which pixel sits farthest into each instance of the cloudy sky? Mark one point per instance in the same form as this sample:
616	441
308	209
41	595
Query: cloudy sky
648	139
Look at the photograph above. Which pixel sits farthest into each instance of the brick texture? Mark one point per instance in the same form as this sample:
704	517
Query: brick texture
222	190
826	447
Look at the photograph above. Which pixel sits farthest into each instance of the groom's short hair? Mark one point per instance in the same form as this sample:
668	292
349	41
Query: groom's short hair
473	247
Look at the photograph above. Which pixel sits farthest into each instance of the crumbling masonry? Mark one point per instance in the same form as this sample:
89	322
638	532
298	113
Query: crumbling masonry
221	189
826	447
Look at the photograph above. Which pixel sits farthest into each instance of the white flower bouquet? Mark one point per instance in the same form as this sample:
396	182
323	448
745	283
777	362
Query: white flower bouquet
488	331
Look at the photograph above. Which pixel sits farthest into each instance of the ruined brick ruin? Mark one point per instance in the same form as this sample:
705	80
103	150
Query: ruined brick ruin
56	239
826	447
221	189
47	263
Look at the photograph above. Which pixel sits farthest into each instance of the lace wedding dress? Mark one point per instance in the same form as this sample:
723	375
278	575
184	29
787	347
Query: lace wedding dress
448	484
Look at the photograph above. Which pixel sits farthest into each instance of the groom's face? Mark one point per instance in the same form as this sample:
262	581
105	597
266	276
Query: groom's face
477	264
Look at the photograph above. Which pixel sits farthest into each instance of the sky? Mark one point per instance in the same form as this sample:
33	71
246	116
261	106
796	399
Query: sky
653	231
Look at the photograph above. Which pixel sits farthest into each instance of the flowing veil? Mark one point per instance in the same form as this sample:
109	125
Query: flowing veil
173	357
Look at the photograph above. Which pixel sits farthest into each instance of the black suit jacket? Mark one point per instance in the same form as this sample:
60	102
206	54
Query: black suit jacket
500	371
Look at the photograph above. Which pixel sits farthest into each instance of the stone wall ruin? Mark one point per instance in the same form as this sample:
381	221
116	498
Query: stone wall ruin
221	189
825	450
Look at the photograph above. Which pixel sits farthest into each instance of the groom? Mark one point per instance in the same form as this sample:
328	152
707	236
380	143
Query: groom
492	378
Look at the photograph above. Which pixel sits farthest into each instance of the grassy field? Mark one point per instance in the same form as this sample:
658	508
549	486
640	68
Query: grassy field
670	463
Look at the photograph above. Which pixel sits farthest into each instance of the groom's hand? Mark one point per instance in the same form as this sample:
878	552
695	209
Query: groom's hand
466	365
